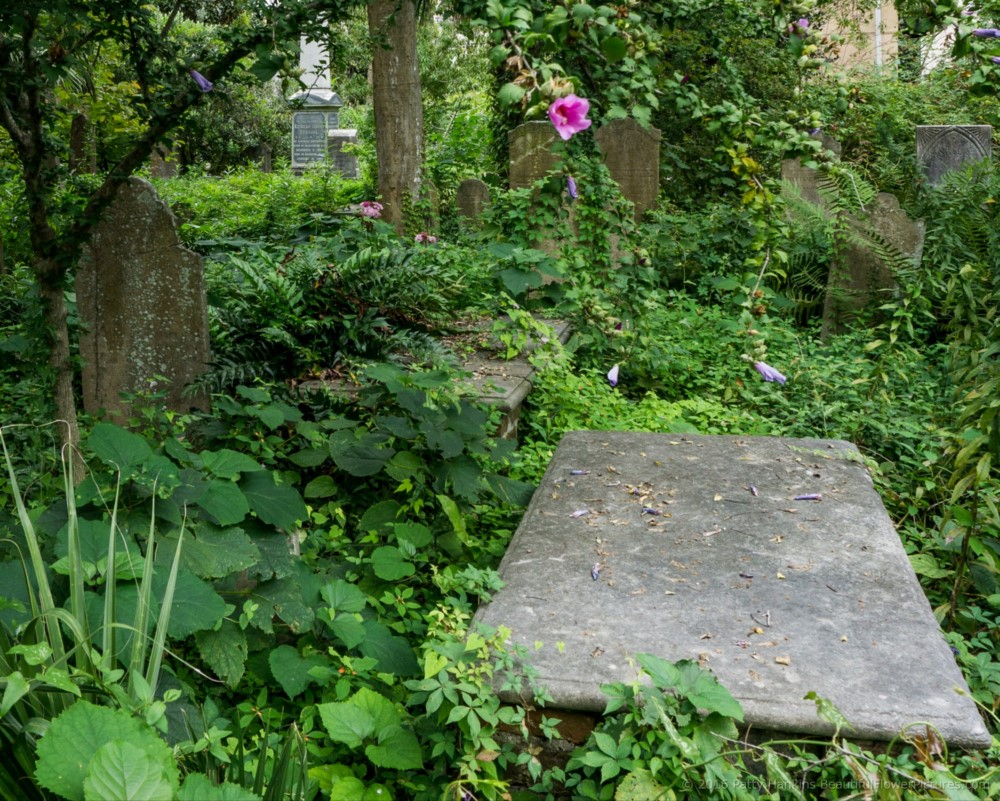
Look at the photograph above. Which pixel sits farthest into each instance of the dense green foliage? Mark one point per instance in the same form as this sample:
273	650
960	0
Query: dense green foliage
271	598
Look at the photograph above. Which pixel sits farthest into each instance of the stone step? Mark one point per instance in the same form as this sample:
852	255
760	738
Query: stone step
770	561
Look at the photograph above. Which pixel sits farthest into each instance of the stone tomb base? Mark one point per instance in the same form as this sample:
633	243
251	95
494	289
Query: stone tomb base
771	562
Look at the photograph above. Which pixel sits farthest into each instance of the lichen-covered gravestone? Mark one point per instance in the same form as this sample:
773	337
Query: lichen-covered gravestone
531	155
860	279
806	179
943	148
632	155
141	298
472	199
769	561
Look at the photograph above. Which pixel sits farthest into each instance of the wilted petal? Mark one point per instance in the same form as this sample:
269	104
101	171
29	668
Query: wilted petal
988	33
768	372
812	496
571	187
595	571
569	115
613	376
580	513
203	83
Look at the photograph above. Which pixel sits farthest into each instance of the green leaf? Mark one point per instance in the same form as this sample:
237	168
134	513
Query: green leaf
34	654
365	457
639	785
353	789
280	506
349	629
224	651
614	49
393	653
226	463
346	723
75	736
389	563
510	93
291	670
778	774
397	749
198	787
416	534
518	281
224	501
379	516
343	596
211	552
828	712
283	598
17	687
404	465
320	487
121	771
924	564
705	692
117	447
196	605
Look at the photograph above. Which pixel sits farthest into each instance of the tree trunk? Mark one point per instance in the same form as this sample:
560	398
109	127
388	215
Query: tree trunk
399	116
53	299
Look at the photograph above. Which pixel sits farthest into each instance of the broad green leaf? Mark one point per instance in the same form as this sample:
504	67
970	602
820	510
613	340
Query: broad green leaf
346	723
291	669
283	598
349	629
320	487
352	789
639	785
17	687
34	654
379	516
196	605
924	564
417	534
397	749
510	93
198	787
454	515
518	281
364	458
224	501
343	596
383	713
226	463
705	692
117	447
404	465
614	49
389	564
779	776
74	737
393	653
276	557
121	771
280	506
225	651
212	553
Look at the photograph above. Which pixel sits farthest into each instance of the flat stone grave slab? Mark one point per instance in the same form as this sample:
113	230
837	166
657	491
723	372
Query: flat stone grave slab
770	561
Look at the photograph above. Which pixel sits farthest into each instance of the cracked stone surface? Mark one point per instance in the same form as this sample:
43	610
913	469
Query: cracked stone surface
770	561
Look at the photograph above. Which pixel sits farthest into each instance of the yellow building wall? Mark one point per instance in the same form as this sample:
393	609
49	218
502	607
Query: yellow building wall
868	39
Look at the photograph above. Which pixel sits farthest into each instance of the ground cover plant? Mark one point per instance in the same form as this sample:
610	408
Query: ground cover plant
271	598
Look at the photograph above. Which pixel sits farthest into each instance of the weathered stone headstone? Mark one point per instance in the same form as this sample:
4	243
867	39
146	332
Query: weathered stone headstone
319	114
141	298
531	155
263	156
805	179
943	148
162	163
472	199
770	561
82	148
860	280
632	155
343	160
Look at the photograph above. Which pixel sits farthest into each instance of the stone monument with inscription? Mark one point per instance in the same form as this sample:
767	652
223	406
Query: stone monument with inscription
943	148
531	154
472	199
142	301
318	111
632	155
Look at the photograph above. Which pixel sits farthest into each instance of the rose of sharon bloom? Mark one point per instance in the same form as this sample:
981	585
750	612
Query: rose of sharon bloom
799	27
613	376
569	115
988	33
203	83
768	372
425	238
371	208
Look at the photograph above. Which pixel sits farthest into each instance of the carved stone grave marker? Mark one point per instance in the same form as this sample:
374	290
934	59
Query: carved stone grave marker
632	155
141	298
472	199
770	561
943	148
